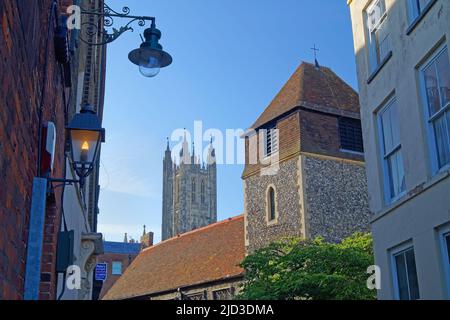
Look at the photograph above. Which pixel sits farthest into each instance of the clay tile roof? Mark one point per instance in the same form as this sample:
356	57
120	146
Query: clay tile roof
320	87
200	256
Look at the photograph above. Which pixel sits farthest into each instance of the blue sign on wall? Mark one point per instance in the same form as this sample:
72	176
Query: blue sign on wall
101	271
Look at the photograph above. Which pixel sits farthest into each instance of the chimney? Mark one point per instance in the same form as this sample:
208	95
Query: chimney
147	240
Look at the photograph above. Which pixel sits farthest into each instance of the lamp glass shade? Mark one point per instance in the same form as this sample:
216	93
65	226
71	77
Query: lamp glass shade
150	67
84	146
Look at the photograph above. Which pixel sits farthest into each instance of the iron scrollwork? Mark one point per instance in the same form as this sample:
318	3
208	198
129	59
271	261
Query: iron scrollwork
94	26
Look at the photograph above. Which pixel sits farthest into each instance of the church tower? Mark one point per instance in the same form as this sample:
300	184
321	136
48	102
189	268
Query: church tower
309	178
167	204
189	192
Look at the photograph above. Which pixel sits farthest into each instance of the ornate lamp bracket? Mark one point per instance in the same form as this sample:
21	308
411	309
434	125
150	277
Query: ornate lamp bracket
93	27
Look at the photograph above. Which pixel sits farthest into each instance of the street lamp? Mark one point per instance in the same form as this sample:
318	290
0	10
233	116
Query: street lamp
150	57
85	137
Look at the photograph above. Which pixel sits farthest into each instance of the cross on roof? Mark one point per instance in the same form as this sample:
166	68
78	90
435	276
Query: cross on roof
315	55
315	51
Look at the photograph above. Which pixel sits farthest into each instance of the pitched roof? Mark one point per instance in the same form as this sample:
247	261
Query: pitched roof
204	255
121	247
313	86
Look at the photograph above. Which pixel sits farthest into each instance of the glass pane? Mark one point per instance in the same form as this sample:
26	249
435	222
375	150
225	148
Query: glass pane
401	173
414	10
412	275
423	4
387	130
441	132
443	69
402	279
432	89
272	204
396	174
447	240
84	145
393	177
394	125
117	268
374	14
383	41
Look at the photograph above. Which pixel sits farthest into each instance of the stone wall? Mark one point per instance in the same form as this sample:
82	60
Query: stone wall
289	223
335	197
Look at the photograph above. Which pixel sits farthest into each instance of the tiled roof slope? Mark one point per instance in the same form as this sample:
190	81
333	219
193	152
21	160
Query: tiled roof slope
121	247
200	256
311	85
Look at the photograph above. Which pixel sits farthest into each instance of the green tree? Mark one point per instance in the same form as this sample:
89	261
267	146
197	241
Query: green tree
294	269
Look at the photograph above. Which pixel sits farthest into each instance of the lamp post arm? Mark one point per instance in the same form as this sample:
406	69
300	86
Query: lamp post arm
93	29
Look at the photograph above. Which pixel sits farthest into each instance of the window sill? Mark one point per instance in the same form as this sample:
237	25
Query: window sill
352	152
411	195
272	223
380	66
417	20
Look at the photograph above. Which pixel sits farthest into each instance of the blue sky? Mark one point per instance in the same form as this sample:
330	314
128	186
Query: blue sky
230	59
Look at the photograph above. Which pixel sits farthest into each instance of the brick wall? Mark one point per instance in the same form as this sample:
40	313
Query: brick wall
320	134
109	258
306	131
23	50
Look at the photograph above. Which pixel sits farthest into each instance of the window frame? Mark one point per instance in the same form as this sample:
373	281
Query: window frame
193	191
445	232
393	254
270	132
346	122
229	289
414	21
385	155
429	119
374	54
268	203
203	192
112	268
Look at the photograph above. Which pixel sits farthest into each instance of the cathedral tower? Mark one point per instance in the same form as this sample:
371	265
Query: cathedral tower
189	192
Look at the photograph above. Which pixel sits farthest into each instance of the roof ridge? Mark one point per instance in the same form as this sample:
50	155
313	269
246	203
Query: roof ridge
241	216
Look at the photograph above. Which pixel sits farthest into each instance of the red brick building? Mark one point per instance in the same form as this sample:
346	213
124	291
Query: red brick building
117	256
36	87
32	91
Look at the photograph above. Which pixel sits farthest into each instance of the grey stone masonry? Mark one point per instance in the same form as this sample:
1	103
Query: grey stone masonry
336	199
258	231
314	195
189	193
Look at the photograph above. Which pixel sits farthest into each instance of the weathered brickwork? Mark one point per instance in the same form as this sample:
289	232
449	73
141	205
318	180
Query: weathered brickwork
319	134
335	198
24	47
289	222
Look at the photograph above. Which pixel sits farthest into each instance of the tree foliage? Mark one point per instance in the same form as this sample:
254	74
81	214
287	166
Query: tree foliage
294	269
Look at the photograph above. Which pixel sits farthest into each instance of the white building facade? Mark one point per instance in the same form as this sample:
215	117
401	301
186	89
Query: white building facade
403	65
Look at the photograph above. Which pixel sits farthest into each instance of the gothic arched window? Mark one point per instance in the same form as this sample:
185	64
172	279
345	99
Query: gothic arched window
271	205
193	187
203	192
